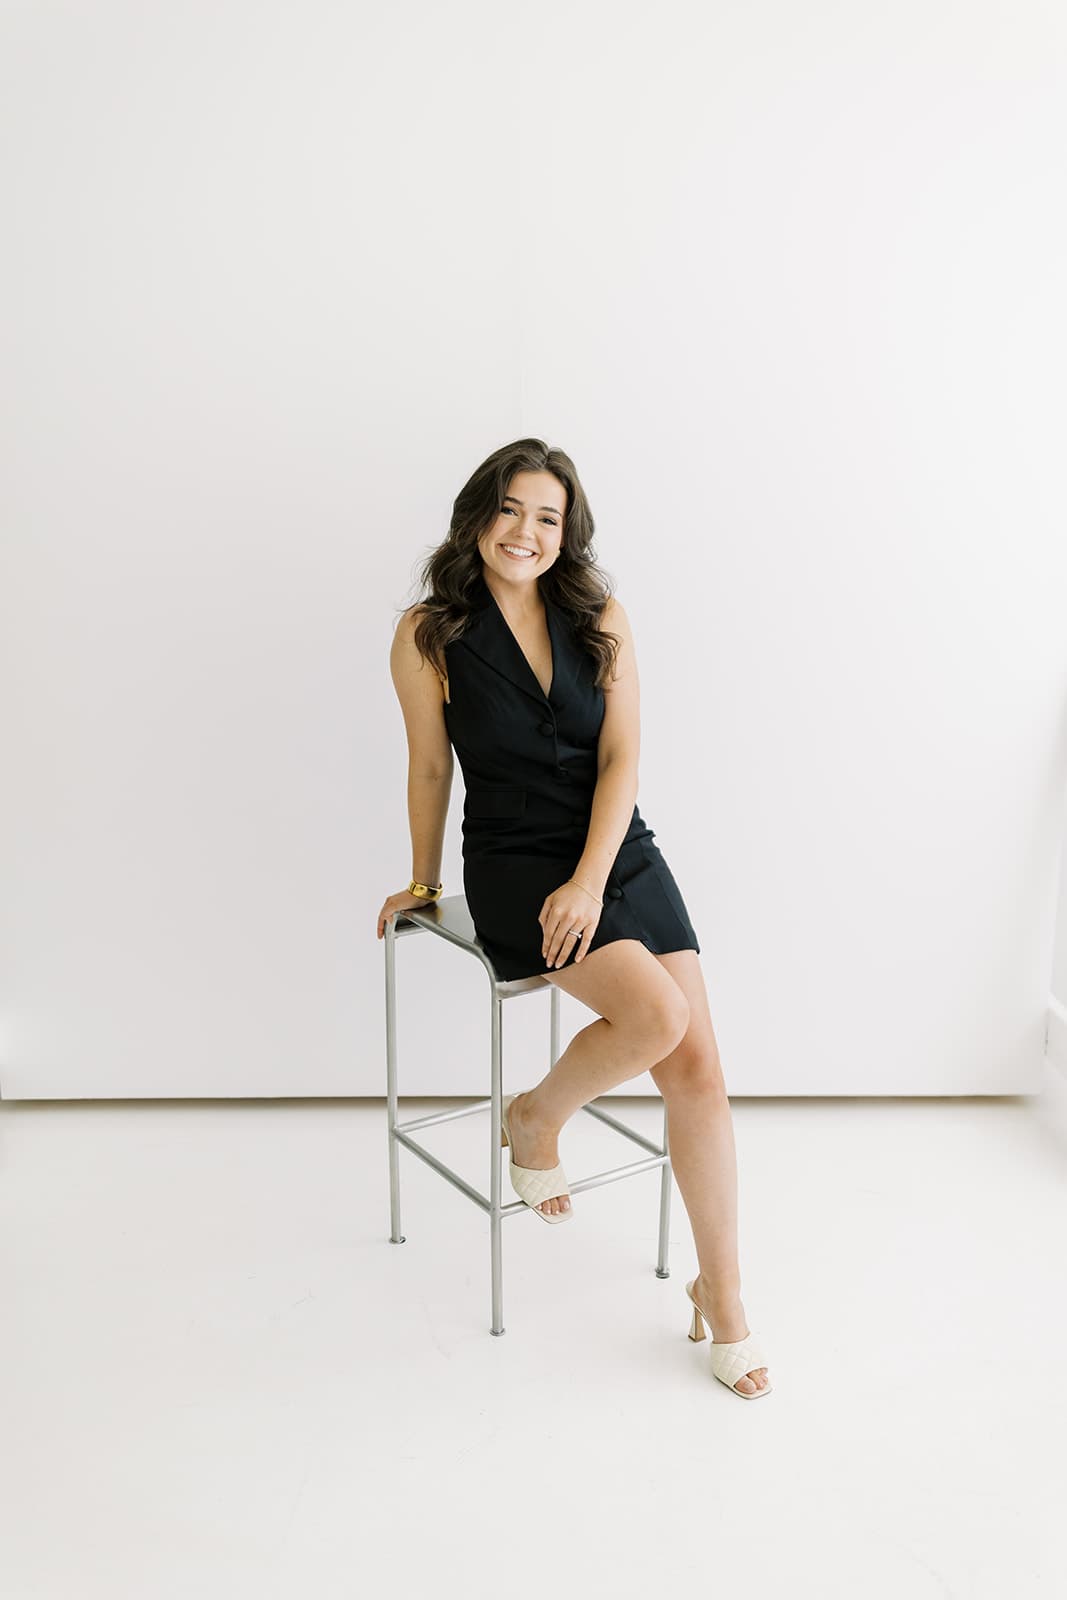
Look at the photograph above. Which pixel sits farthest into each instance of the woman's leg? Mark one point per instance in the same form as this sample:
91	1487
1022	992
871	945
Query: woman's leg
703	1157
642	1016
655	1017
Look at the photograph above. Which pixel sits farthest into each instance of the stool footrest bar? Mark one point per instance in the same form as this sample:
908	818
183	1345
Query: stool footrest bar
624	1128
442	1116
446	1172
617	1172
469	1190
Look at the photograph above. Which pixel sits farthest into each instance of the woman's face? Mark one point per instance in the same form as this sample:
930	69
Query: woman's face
531	518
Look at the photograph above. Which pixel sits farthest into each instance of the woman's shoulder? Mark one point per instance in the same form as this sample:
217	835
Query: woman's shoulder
409	619
613	617
410	657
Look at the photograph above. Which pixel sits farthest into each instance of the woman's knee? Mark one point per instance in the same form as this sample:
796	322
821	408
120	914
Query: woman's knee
662	1017
689	1075
627	986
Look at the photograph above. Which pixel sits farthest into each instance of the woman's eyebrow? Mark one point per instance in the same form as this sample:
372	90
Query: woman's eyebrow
554	510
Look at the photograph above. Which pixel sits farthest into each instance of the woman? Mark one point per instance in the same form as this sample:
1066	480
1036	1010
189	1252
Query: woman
533	684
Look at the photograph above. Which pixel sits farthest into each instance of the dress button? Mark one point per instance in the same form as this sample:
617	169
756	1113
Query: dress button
561	772
545	727
614	892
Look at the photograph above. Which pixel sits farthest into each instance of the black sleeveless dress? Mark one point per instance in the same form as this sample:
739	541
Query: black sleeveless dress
529	763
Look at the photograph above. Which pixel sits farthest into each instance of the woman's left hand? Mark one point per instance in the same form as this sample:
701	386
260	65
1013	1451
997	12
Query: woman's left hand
568	907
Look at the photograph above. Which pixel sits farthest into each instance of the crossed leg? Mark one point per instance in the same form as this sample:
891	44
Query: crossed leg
642	1014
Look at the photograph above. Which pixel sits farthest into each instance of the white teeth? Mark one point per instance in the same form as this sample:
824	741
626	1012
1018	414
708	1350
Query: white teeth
517	550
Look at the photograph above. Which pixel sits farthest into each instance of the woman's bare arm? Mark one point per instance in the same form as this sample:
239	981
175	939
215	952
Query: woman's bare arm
430	756
618	753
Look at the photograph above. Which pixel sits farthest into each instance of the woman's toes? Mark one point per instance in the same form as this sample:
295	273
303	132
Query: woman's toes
745	1385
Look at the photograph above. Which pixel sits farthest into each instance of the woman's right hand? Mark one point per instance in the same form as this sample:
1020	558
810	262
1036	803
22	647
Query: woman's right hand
398	902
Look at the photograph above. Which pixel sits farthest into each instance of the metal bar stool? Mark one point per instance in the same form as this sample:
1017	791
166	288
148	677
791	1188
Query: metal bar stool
450	919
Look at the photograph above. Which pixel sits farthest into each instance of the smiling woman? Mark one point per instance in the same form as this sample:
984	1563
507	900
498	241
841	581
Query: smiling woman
562	875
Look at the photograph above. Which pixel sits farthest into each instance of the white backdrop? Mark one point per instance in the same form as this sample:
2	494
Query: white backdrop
786	281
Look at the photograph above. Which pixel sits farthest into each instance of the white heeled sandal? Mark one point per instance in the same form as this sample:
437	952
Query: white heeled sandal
534	1184
730	1361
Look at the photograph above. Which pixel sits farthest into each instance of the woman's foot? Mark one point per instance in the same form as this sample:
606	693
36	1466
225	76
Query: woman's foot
534	1144
725	1315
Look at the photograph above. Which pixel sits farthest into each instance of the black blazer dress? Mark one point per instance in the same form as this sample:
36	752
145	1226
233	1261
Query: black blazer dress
529	763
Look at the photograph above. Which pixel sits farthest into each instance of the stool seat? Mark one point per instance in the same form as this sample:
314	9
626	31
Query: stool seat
449	918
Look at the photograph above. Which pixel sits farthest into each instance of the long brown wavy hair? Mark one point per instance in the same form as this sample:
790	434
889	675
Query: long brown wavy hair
451	573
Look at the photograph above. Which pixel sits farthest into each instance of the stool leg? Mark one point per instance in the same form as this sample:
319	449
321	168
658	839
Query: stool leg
496	1161
662	1268
395	1235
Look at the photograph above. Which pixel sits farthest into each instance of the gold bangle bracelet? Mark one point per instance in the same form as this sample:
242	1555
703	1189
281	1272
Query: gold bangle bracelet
425	891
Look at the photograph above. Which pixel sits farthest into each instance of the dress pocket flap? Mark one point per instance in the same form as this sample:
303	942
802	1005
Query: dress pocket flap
486	802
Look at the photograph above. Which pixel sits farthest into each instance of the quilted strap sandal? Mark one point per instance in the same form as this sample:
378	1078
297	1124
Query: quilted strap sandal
730	1361
534	1184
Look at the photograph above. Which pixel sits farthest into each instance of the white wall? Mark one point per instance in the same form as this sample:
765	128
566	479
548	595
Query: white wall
785	281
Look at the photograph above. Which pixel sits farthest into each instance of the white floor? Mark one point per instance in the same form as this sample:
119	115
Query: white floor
221	1379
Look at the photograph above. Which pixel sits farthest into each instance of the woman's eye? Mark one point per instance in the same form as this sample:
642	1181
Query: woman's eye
550	520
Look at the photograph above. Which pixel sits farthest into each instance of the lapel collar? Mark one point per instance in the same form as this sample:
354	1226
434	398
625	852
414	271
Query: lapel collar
492	640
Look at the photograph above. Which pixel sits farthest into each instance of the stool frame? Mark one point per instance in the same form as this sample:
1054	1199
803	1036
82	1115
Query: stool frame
450	919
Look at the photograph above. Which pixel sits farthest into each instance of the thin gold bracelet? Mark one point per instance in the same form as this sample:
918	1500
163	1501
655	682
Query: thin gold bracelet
588	891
